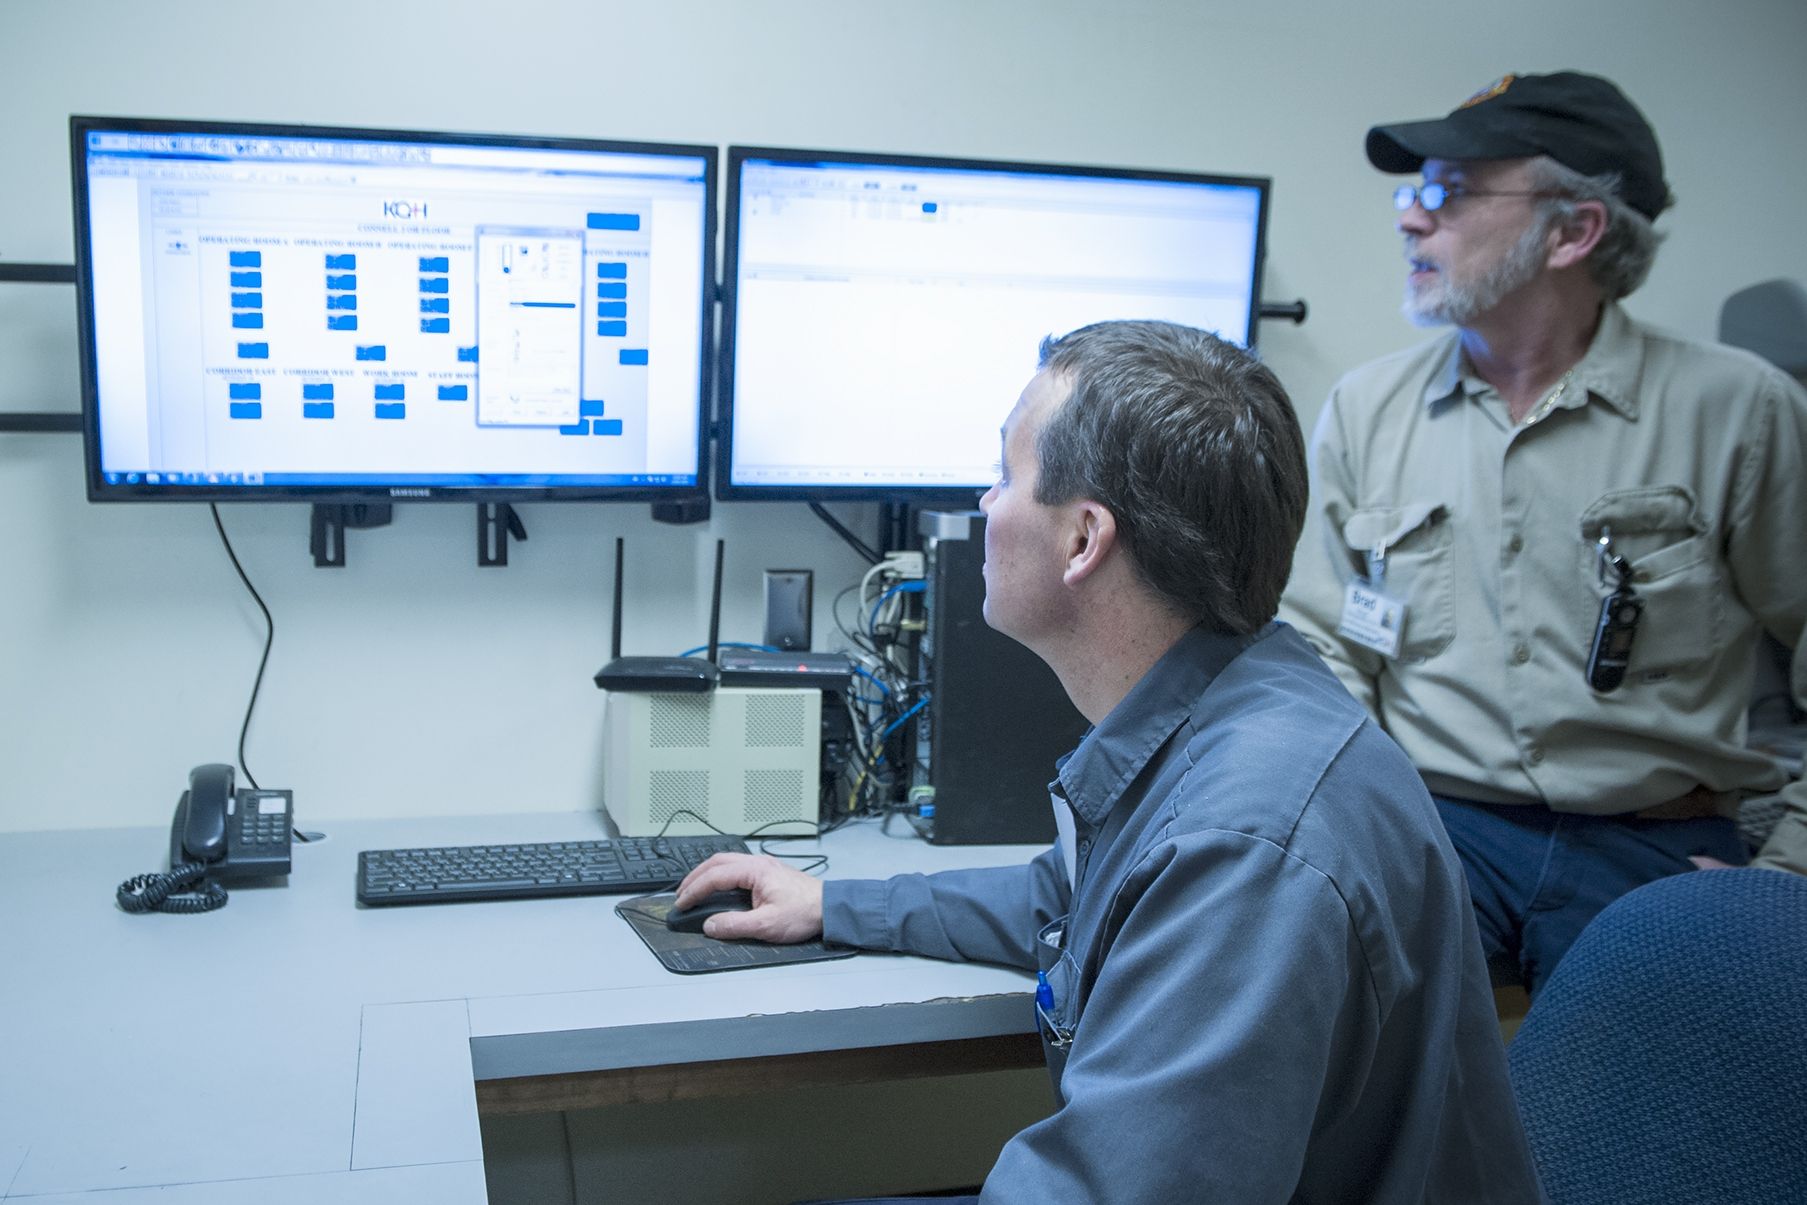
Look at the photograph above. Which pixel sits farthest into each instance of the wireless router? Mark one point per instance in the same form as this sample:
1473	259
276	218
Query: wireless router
681	675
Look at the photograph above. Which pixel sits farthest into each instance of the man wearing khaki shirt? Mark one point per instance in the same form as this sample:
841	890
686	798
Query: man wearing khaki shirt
1542	548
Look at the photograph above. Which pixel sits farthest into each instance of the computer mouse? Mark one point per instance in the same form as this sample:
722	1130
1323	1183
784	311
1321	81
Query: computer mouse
690	920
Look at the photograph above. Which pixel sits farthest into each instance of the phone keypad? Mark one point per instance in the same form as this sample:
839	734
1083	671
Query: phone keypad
263	821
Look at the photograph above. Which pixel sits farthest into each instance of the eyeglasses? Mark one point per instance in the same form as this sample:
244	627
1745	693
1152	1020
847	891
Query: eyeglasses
1435	195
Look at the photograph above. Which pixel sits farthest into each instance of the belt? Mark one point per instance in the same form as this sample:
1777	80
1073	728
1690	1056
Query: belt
1697	804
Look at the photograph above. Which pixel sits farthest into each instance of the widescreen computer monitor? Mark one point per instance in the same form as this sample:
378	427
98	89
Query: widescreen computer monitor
881	313
353	315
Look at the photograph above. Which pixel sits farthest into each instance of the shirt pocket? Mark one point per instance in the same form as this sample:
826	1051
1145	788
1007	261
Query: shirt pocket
1675	570
1057	1018
1417	541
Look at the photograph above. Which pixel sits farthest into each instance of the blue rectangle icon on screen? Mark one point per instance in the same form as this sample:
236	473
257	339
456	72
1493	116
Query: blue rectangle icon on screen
580	427
245	409
454	393
316	410
317	393
342	263
435	326
434	284
391	393
244	391
590	409
245	259
611	309
608	426
633	355
254	351
929	207
248	320
611	271
341	301
435	305
391	410
344	282
612	288
616	329
435	263
247	301
341	322
247	280
374	351
467	355
614	221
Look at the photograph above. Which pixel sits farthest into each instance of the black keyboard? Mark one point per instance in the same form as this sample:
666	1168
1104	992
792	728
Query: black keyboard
448	874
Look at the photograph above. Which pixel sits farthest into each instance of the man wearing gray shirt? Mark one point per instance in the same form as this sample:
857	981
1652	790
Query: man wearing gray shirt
1259	976
1542	547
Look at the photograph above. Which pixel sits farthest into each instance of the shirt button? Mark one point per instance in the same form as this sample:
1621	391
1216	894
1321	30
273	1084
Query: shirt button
1515	544
1521	654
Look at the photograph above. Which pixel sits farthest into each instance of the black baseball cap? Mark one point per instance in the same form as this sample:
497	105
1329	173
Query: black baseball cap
1582	121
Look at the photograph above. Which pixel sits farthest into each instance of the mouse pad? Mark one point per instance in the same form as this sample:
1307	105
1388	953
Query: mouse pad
695	954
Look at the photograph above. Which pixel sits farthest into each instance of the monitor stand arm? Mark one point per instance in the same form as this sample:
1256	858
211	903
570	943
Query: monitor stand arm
496	521
327	524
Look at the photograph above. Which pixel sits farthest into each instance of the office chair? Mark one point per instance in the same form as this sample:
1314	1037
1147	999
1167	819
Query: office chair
1666	1059
1770	319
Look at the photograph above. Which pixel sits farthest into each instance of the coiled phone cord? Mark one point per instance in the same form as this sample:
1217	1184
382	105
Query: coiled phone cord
168	892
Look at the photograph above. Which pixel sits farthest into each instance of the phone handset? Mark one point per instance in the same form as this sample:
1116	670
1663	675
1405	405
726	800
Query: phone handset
199	831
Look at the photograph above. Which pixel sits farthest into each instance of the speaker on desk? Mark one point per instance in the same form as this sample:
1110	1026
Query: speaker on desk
998	719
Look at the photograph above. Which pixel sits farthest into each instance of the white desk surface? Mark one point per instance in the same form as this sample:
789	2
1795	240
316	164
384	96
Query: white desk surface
324	1050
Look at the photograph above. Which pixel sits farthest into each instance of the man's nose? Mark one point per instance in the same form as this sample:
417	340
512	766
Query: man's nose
1414	220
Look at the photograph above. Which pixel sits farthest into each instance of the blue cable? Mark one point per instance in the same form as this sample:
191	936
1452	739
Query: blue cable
900	588
899	721
873	678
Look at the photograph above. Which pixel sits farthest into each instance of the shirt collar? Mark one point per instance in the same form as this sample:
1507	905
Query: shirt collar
1609	372
1097	773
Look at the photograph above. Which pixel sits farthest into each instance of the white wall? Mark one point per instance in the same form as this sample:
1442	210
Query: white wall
412	681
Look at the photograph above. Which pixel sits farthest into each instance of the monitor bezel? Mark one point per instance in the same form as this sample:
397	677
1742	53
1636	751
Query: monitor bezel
726	489
101	490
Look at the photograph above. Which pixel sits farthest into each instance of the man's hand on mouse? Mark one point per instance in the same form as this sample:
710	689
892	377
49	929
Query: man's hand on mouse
787	904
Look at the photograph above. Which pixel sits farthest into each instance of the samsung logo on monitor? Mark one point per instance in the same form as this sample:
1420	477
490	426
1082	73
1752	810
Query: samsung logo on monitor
399	492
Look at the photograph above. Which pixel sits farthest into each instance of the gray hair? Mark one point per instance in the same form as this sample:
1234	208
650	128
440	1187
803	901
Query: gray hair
1193	446
1622	259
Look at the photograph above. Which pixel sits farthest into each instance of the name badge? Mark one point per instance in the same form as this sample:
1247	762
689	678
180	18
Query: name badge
1372	619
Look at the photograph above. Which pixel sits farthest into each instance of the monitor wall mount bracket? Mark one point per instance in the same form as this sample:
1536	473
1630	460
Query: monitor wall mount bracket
36	422
1290	311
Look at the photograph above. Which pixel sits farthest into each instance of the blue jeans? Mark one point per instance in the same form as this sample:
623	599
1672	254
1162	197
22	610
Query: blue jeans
1537	877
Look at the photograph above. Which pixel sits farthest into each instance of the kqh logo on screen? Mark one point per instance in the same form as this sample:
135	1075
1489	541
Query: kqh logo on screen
406	211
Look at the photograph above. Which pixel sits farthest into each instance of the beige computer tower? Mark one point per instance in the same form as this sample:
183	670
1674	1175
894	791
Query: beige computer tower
742	756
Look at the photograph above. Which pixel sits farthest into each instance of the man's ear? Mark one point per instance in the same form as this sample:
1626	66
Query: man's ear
1578	235
1092	538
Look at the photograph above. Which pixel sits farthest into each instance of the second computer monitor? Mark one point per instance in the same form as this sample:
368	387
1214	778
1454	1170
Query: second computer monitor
881	313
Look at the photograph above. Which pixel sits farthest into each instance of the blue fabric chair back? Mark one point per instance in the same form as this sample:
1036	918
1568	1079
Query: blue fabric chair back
1666	1059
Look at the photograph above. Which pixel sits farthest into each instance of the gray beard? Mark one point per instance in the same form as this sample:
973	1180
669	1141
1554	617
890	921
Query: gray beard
1462	302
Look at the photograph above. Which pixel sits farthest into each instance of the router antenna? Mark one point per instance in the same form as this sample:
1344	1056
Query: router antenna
615	638
715	604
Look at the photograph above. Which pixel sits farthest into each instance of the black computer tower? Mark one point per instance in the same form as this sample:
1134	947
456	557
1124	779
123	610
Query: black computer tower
997	718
